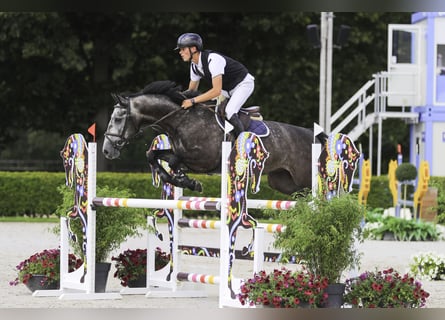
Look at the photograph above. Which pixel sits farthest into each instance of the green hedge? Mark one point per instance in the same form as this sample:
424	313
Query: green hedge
35	193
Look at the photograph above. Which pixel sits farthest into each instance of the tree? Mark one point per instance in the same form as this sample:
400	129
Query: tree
57	70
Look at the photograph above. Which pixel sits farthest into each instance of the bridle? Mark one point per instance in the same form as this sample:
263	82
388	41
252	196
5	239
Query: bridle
122	141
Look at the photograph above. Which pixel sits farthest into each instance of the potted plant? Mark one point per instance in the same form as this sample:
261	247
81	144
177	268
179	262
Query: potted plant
401	229
322	234
131	266
114	225
283	288
385	289
41	270
428	265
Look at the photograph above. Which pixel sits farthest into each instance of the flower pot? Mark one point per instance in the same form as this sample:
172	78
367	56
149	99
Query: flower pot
102	270
389	236
140	282
335	293
39	282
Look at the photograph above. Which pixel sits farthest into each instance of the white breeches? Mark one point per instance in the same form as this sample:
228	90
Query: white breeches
239	95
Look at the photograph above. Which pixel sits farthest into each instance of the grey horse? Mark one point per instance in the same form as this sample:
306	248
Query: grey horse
196	137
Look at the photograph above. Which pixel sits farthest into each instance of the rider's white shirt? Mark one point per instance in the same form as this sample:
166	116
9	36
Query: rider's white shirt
216	67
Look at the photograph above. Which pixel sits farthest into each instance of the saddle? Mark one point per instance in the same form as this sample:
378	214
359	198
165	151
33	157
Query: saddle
250	117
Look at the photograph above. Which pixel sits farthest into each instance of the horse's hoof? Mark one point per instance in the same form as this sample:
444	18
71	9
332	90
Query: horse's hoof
198	186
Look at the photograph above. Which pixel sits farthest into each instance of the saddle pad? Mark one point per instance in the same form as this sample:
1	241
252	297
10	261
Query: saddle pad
256	126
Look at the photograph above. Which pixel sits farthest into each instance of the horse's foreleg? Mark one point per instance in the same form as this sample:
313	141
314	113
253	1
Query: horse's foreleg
179	178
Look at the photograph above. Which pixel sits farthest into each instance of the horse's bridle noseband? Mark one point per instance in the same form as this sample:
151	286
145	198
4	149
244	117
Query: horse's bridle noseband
118	144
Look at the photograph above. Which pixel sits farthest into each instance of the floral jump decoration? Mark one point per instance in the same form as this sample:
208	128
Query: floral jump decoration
385	289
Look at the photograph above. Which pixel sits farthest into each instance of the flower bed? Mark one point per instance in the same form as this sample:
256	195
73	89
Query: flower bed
284	289
45	263
132	264
385	289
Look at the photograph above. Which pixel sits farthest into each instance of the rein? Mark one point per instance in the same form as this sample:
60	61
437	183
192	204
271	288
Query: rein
202	105
128	118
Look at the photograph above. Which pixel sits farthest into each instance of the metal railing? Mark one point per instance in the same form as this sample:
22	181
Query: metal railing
358	114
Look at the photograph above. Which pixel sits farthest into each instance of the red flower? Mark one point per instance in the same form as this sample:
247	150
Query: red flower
283	288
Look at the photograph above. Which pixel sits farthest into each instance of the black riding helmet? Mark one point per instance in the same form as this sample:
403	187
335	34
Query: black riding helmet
189	40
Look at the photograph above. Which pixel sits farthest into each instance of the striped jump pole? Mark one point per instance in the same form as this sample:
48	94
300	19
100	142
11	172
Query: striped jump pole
199	223
215	224
197	277
255	203
157	203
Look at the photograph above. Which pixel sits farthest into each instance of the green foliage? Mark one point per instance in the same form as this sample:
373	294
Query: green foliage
406	172
113	225
322	233
402	229
439	183
40	52
379	195
31	193
35	193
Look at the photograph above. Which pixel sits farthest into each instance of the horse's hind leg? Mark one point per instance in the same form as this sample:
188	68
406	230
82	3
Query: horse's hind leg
282	181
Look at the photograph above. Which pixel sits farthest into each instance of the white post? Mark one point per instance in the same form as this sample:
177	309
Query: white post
316	151
258	250
177	214
327	126
87	289
326	28
224	231
322	90
64	250
91	219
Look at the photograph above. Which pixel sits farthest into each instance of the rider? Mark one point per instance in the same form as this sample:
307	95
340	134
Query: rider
226	75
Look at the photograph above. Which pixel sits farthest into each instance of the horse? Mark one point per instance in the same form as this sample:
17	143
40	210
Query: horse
196	139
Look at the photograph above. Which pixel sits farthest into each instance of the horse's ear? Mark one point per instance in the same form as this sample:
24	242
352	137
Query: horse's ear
122	100
119	99
114	96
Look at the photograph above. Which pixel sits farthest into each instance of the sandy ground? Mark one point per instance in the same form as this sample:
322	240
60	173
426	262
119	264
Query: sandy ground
20	240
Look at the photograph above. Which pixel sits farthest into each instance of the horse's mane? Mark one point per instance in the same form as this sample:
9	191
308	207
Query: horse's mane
165	87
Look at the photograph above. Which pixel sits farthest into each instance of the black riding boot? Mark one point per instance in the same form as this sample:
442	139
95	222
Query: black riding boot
238	126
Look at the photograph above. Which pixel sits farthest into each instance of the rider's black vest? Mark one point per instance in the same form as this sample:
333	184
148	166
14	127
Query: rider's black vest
234	71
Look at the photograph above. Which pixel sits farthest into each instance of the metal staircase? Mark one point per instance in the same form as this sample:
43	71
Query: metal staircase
358	114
